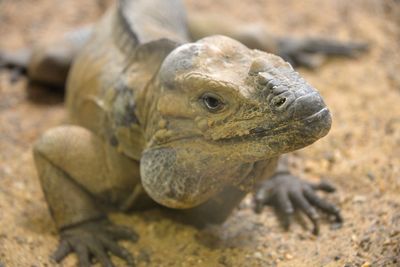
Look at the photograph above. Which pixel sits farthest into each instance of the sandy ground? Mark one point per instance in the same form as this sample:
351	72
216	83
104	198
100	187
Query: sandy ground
361	155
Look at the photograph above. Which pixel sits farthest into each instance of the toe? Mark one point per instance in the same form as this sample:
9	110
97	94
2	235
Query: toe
62	251
324	186
83	255
100	254
119	251
322	204
285	207
123	233
262	198
309	60
301	202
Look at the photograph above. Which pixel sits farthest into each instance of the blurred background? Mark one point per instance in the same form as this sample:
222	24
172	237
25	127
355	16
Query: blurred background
361	154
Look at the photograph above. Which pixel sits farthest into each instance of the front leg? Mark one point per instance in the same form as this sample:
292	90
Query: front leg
78	172
287	193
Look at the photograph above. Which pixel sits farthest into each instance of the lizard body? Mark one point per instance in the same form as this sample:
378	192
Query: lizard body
193	126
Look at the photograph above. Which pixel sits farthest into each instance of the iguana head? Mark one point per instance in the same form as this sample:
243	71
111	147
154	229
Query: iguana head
245	100
242	104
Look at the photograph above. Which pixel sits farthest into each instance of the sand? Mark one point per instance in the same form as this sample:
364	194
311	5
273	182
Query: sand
360	155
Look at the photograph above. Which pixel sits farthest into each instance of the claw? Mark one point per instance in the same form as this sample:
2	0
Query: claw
323	186
300	201
285	206
83	255
259	206
327	187
100	254
323	205
119	251
309	60
286	220
62	251
121	232
262	198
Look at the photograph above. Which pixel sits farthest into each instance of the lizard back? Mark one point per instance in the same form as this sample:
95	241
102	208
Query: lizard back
122	55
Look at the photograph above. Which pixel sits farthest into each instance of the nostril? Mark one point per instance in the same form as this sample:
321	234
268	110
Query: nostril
280	102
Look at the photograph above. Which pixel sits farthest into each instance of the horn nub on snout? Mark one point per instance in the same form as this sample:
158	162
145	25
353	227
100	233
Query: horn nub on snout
276	94
258	65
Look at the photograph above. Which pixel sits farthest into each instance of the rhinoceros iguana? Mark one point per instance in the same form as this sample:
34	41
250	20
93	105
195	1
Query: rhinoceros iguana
193	126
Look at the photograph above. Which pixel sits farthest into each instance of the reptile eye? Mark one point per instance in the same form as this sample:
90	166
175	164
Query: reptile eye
212	102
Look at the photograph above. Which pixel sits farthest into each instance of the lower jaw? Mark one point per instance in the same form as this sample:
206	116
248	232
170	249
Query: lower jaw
288	138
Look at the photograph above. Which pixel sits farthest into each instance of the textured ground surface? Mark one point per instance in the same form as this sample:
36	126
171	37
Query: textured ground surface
361	155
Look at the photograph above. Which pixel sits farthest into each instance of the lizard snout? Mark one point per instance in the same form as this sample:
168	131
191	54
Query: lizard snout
294	103
307	105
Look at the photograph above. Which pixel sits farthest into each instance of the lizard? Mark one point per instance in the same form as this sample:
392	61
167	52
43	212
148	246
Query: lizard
192	126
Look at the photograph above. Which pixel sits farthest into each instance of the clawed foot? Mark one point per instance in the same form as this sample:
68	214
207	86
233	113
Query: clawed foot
287	193
93	240
311	53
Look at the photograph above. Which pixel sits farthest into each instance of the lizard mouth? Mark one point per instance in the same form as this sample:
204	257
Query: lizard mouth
312	128
320	119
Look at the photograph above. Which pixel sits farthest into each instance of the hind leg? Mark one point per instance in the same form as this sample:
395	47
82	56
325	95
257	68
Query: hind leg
48	64
307	52
312	52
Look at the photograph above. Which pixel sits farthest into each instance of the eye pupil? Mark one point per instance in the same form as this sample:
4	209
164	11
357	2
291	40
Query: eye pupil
212	102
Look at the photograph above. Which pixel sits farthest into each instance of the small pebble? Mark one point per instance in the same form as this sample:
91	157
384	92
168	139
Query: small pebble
258	255
365	243
336	225
223	260
371	176
394	233
144	256
359	199
388	242
288	256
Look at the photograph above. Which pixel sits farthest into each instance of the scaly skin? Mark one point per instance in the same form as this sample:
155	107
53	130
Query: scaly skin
193	126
